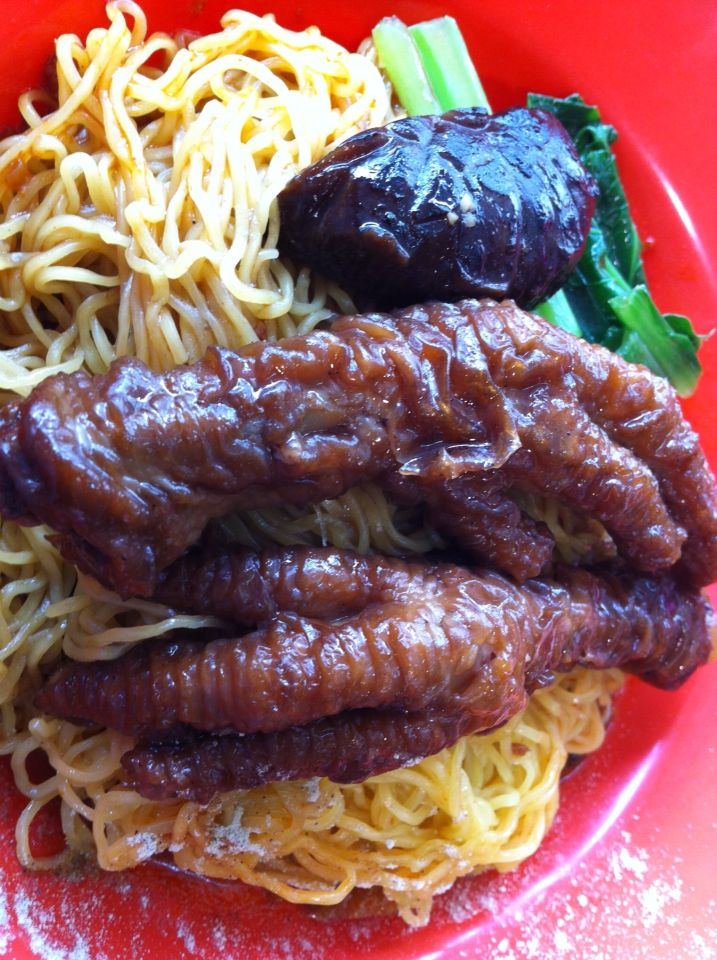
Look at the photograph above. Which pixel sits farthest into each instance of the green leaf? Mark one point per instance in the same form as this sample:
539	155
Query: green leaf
662	338
572	111
593	140
608	292
591	288
681	324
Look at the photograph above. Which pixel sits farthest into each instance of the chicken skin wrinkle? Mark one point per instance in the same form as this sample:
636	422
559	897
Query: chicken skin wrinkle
454	406
352	649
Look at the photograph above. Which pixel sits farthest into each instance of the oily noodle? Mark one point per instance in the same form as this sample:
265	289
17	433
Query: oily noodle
138	216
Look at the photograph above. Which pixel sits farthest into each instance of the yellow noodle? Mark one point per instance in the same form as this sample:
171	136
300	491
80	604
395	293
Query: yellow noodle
138	216
485	802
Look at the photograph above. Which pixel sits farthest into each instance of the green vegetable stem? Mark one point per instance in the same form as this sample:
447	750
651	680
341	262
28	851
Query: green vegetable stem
446	60
400	59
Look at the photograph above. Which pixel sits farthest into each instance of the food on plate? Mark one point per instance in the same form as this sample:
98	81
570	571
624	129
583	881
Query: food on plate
462	204
343	638
131	465
139	219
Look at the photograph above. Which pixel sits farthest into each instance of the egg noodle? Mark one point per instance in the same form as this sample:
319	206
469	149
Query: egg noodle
138	216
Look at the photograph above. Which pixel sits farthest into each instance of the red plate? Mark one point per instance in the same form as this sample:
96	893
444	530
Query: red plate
628	870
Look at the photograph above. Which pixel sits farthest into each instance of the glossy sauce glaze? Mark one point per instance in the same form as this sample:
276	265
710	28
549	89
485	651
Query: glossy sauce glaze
464	402
465	204
344	640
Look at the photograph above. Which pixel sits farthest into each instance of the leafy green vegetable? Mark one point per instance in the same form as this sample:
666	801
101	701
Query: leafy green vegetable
665	342
400	59
558	311
608	291
593	140
448	64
